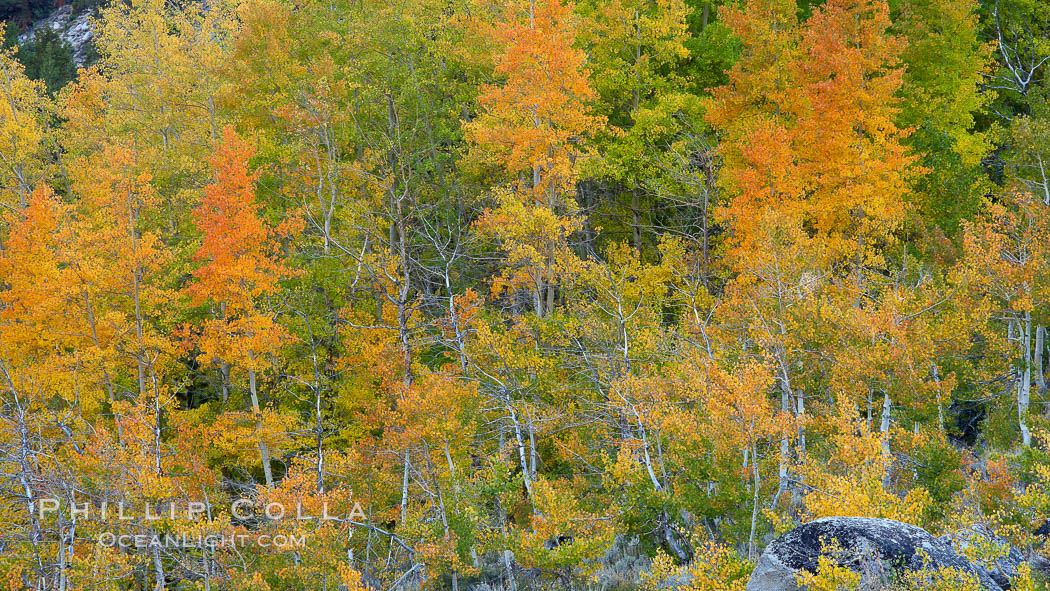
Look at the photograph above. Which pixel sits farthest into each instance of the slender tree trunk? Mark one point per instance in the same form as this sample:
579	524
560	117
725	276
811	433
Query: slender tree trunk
65	554
110	394
26	470
646	456
884	427
264	450
1040	379
404	489
636	220
526	472
402	295
785	448
135	297
224	375
533	455
441	506
508	559
801	399
870	403
752	549
157	421
538	297
319	439
158	569
1046	185
1024	383
940	403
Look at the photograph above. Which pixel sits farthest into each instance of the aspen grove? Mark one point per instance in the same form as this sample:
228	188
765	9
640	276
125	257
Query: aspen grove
520	294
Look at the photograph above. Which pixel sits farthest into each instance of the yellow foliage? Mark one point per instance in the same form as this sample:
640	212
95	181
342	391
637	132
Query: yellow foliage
942	579
718	568
829	577
852	480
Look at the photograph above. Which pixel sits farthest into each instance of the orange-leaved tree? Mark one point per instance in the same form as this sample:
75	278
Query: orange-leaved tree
752	113
240	267
530	128
808	123
855	167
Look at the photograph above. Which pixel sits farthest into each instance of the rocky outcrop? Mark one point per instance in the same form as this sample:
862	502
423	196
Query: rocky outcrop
875	548
74	29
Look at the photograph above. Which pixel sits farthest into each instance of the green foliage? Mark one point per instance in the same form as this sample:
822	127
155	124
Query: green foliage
712	47
47	58
23	12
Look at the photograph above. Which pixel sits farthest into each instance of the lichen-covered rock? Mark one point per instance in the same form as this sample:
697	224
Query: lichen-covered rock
875	548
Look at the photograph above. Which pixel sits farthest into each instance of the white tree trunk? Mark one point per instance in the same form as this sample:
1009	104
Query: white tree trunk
264	450
1024	383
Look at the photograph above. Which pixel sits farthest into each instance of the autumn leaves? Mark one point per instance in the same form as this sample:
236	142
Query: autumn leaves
517	277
